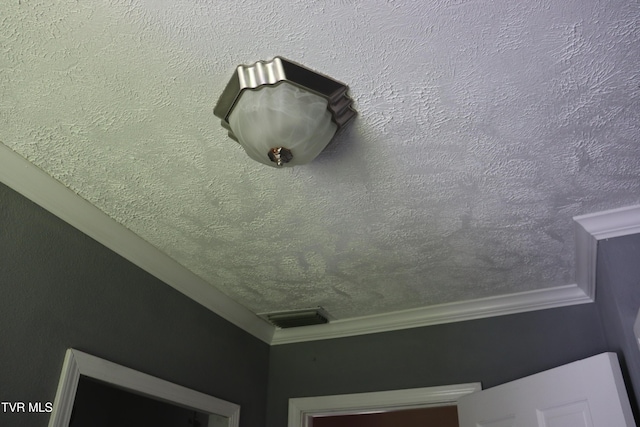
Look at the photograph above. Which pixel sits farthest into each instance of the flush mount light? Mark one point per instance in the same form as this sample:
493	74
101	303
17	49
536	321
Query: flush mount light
282	113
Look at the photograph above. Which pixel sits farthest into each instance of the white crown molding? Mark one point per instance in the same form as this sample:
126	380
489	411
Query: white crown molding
30	181
611	223
590	228
437	314
586	250
33	183
303	409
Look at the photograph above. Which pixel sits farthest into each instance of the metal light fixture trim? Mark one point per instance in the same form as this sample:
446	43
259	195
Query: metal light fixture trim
273	73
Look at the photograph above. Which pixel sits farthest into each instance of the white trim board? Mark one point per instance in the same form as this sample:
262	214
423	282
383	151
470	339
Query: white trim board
303	409
77	363
590	228
437	314
33	183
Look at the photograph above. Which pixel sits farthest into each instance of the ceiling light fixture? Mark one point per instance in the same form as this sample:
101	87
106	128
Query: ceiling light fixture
282	113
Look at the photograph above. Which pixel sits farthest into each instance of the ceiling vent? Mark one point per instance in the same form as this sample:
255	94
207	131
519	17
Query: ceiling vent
297	318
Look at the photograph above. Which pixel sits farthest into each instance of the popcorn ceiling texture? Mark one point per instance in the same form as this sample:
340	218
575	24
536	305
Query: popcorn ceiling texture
483	128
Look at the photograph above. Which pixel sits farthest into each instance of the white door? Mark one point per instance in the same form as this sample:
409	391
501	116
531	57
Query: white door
587	393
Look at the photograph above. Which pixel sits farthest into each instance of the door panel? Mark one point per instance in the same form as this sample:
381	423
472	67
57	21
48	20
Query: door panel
587	393
569	415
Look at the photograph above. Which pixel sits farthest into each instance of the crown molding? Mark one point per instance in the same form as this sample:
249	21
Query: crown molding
35	184
589	229
611	223
437	314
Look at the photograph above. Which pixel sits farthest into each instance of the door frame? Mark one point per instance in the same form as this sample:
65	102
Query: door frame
303	409
77	363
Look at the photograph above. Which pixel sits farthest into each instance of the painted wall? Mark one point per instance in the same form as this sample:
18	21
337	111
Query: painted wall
492	351
618	299
59	289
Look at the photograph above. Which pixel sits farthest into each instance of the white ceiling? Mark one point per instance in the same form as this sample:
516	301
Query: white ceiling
483	128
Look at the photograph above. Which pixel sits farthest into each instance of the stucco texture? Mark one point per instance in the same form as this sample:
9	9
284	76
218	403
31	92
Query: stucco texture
483	127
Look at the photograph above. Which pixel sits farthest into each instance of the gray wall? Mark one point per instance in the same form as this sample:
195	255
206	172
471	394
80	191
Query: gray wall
491	351
618	299
60	289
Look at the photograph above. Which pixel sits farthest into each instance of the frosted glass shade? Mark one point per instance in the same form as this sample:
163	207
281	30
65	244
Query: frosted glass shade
282	116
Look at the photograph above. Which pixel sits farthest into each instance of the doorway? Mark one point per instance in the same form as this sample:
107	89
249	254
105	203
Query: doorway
441	416
308	411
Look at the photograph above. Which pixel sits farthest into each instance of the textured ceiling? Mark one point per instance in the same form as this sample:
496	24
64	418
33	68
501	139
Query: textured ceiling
483	128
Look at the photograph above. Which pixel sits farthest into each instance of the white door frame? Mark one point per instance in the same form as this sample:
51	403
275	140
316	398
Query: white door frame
77	363
303	409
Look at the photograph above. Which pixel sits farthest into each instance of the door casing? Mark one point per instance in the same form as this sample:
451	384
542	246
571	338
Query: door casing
303	409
